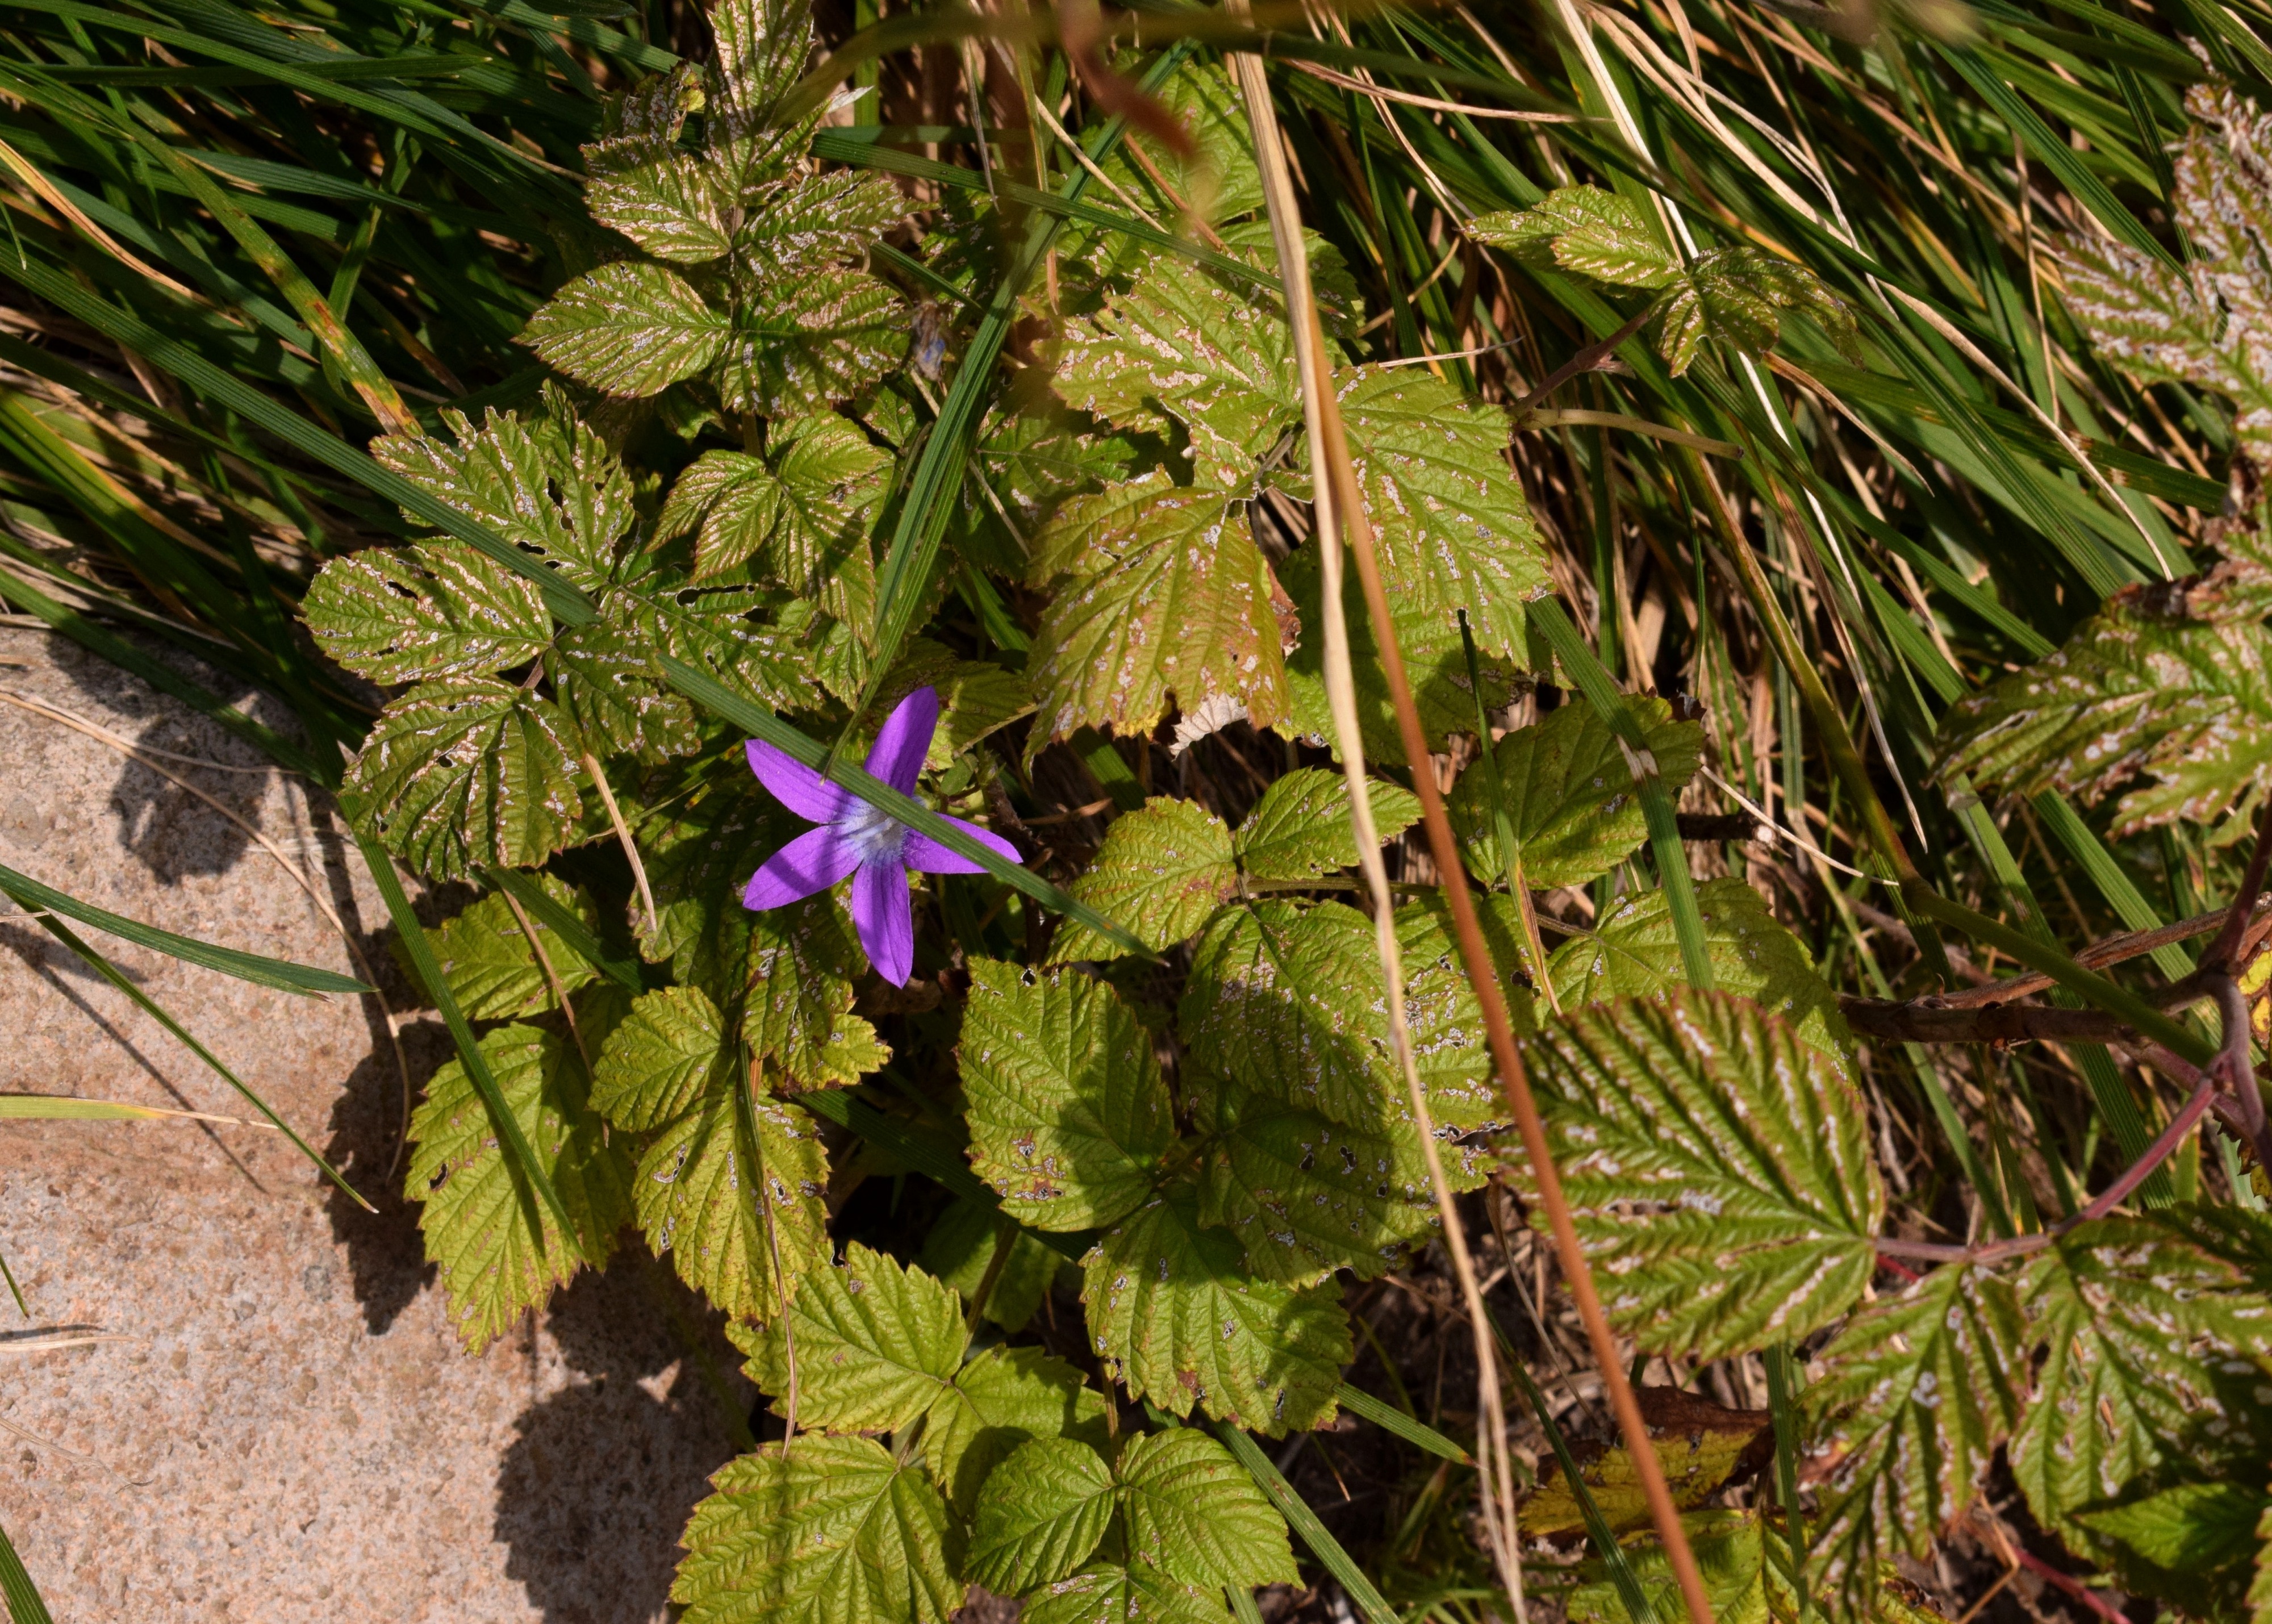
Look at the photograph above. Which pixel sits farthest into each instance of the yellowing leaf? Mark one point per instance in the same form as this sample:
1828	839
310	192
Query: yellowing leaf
877	1345
627	329
803	960
1699	1445
1162	870
398	615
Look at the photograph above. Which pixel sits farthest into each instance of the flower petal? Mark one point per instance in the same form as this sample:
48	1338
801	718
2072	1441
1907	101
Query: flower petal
797	786
885	917
905	739
925	854
814	860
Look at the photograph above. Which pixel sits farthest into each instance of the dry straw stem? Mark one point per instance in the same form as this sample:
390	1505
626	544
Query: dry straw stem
1341	512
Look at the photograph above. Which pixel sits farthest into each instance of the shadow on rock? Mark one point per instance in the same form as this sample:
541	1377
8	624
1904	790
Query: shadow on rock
597	1486
387	1256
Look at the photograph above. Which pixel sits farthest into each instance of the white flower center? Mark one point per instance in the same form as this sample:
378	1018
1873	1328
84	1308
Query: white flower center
877	835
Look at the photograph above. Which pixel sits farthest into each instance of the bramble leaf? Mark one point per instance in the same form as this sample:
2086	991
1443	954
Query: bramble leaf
802	961
1162	870
1172	1312
1300	828
475	1213
1161	596
604	679
492	970
1909	1405
1700	1447
442	610
1133	1593
1221	179
821	1530
1739	295
1000	1399
1069	1116
2196	1528
675	208
1040	1515
627	329
1719	1170
799	347
1568	793
877	1344
1194	1513
1632	952
796	228
1588	229
470	772
661	1059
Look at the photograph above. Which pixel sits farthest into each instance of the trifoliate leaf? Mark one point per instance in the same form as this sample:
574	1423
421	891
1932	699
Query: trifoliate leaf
675	207
1739	295
1040	1515
492	970
1909	1406
661	1059
1162	870
959	1249
1112	1593
1588	229
1719	1170
470	772
1300	828
728	1182
1287	1001
1568	793
627	329
1632	953
402	614
1699	1445
476	1212
1160	595
1181	1322
799	347
2167	683
2152	1330
544	482
1187	345
604	679
819	1530
1069	1116
1196	1514
802	961
812	223
1306	1195
877	1344
1000	1399
1453	530
1435	661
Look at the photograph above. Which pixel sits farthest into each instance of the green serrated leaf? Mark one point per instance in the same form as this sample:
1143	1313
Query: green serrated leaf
475	1220
1632	953
1184	344
959	1249
1162	870
797	348
1300	828
1569	794
2153	1331
1070	1118
802	961
1112	1593
1221	178
1739	295
797	228
1000	1399
1193	1513
1287	1001
604	680
627	329
491	968
1719	1170
1181	1323
1032	461
821	1530
1040	1515
675	208
1908	1405
398	615
1588	229
877	1344
1730	1551
698	863
470	773
1159	596
661	1059
1453	530
2194	1528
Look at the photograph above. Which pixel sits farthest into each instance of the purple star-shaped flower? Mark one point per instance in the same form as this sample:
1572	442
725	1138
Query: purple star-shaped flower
854	838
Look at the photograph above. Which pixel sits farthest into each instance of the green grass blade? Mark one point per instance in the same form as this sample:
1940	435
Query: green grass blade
65	1108
1370	1604
22	1595
1782	1391
1390	1419
281	974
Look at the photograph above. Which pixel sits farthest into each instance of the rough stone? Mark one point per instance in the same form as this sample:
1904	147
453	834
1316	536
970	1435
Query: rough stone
283	1427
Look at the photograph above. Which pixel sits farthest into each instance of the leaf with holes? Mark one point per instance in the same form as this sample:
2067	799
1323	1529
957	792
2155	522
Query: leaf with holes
1910	1403
1160	597
1719	1170
1162	870
605	680
1568	793
1632	953
1179	1320
802	961
1070	1118
824	1531
1300	828
502	1250
470	772
443	609
627	329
